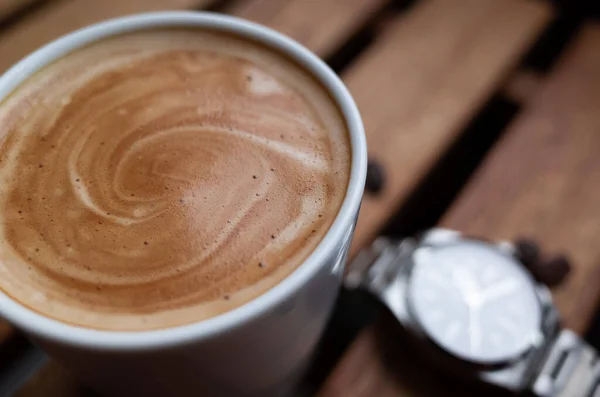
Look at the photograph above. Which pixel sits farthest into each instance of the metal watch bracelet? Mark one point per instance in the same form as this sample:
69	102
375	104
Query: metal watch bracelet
571	368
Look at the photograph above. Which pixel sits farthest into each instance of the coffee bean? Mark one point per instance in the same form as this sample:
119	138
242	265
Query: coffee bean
527	251
552	271
375	177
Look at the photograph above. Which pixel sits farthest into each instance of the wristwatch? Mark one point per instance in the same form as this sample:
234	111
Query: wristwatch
472	307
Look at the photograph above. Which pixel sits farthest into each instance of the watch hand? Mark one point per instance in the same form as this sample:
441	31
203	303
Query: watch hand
499	289
465	282
474	329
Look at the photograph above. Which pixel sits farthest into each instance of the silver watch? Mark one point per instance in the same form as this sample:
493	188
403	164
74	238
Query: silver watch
474	308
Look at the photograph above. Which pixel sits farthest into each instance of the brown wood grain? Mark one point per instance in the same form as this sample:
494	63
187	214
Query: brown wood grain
321	25
424	79
65	16
541	180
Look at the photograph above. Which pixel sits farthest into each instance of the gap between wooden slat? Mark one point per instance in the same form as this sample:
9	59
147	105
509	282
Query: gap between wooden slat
7	7
522	86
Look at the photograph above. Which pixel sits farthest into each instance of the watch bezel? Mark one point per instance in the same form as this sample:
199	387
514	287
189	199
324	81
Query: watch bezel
448	238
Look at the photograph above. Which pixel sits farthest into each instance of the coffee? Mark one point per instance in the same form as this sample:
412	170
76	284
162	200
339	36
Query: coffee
163	177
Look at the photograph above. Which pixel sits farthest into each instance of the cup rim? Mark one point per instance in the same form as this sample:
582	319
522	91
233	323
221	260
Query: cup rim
47	328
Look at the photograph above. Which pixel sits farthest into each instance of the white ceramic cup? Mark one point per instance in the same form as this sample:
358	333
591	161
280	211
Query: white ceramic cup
258	349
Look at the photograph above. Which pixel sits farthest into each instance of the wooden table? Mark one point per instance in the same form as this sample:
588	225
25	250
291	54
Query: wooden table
484	114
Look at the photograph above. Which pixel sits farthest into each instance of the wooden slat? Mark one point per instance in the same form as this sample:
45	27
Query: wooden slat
541	181
55	20
322	26
421	83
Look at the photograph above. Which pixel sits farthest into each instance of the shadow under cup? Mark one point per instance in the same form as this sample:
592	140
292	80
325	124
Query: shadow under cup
257	349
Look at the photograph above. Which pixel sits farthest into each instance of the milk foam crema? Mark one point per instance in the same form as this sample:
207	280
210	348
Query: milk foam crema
162	177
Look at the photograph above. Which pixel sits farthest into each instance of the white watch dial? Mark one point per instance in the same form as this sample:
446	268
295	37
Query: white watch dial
475	302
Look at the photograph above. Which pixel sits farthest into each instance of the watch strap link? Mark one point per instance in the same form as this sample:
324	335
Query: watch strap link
571	369
375	267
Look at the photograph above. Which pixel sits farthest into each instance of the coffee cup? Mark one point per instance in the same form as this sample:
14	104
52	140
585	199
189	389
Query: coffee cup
259	348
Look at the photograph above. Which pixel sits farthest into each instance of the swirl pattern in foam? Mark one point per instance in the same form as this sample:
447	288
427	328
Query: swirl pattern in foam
163	177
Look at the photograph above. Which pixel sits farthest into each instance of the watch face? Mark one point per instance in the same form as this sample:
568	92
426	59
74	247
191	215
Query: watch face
474	301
